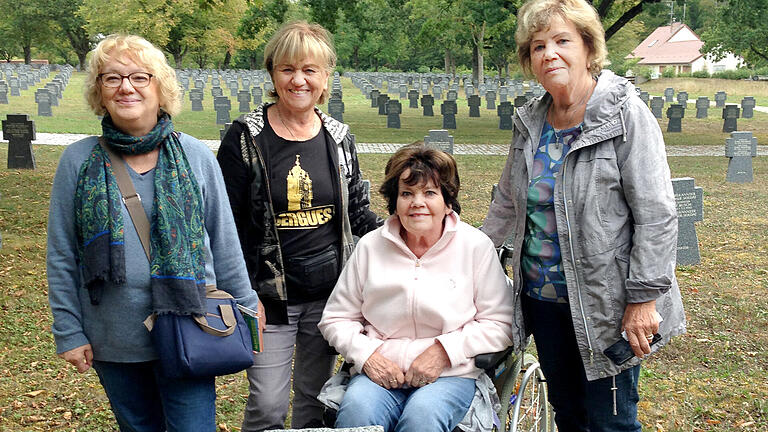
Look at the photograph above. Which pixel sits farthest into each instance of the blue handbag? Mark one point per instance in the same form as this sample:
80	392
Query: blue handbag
218	343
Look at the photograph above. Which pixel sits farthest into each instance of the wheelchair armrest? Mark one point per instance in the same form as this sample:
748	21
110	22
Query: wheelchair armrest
491	360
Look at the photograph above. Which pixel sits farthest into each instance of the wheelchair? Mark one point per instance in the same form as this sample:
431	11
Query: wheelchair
519	383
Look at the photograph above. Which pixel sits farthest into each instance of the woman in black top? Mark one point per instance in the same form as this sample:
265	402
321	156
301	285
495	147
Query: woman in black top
296	192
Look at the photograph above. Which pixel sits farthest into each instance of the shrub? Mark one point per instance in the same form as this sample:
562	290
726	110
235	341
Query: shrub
700	74
737	74
423	69
669	72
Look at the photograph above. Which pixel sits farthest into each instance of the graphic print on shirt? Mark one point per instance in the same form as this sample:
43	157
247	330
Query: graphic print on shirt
300	213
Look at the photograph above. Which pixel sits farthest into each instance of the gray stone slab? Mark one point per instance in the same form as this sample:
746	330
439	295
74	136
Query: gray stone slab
741	147
440	139
702	107
19	130
675	114
393	113
731	118
689	202
427	102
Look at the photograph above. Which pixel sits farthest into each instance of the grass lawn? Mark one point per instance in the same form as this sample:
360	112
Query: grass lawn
72	115
711	379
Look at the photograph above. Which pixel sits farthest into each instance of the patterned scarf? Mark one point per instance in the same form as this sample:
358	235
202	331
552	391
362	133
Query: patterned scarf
177	263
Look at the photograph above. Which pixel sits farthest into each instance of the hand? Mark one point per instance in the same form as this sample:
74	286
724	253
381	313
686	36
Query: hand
383	371
640	321
81	357
428	366
262	316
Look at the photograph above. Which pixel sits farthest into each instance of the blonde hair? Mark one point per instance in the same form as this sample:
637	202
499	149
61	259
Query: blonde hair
536	15
141	52
298	40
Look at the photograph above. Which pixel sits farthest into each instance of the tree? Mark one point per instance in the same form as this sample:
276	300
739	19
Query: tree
25	23
64	13
257	25
739	27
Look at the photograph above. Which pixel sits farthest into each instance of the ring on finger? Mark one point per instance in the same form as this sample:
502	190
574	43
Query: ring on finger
649	337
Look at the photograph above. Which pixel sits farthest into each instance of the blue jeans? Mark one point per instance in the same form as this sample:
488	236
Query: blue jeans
580	405
439	406
145	401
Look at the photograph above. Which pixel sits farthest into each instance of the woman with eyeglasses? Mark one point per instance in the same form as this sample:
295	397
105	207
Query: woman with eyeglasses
102	285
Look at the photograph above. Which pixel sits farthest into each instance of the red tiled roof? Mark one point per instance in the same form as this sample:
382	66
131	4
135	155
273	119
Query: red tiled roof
665	52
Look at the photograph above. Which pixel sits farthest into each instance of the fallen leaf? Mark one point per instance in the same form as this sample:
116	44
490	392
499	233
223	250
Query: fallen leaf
67	415
713	422
34	393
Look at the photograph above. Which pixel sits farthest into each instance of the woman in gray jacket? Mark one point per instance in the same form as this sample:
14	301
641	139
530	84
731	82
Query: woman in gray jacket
587	197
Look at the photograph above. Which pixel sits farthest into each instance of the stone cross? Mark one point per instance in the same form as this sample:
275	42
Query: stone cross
747	107
382	103
657	103
644	97
233	87
393	113
741	147
720	98
682	99
702	107
474	105
196	97
669	94
413	98
427	102
440	139
505	111
375	98
448	109
19	130
216	92
336	109
43	97
244	100
688	199
730	118
222	105
437	92
256	94
675	113
403	91
451	95
490	100
3	92
13	82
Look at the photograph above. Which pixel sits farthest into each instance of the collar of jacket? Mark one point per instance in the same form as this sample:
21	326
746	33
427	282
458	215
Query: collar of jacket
391	232
255	122
602	118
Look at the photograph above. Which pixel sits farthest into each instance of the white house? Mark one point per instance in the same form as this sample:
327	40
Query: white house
679	47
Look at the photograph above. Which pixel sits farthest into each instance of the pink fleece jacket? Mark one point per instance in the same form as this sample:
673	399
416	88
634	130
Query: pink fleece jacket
456	293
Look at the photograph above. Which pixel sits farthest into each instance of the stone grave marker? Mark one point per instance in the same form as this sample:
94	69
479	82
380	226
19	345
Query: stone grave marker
223	131
747	107
55	90
382	104
730	118
440	139
215	82
13	83
702	107
505	112
449	109
268	87
413	98
452	95
503	94
393	113
336	109
437	92
490	99
675	114
3	92
244	100
669	94
256	94
233	87
374	98
216	92
196	97
474	105
720	98
644	97
741	147
657	103
222	105
469	90
403	91
689	202
682	99
43	97
427	101
199	84
19	130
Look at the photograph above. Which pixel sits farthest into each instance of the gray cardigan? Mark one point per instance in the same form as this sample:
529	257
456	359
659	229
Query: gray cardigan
615	212
114	328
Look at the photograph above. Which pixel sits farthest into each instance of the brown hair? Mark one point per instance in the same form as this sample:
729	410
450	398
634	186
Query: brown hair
425	163
143	53
536	15
295	41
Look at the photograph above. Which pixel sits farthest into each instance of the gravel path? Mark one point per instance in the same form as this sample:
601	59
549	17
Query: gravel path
486	149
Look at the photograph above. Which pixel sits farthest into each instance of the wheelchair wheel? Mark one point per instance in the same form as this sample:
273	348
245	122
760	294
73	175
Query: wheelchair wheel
530	411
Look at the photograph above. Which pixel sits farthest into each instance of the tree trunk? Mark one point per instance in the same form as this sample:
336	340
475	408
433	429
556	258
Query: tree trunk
27	53
474	65
227	60
478	38
447	61
356	57
81	61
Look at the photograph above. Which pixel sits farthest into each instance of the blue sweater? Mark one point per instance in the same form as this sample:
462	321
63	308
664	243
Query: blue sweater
115	327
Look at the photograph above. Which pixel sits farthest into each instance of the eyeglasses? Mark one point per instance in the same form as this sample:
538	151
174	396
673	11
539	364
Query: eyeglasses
113	79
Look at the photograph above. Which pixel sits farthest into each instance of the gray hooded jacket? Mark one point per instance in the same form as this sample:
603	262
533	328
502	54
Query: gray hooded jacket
615	213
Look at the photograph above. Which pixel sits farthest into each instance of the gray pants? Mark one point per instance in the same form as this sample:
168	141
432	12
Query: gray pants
270	376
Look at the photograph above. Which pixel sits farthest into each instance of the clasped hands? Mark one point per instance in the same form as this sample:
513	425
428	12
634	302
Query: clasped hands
425	369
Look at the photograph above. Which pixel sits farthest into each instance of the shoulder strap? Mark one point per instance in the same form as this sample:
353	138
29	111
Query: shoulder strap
131	199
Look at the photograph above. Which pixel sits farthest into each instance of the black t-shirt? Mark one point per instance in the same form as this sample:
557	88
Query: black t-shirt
301	184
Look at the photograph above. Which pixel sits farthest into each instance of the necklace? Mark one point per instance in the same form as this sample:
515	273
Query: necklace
280	116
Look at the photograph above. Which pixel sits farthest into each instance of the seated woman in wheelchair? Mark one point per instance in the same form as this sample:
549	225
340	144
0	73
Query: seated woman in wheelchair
420	297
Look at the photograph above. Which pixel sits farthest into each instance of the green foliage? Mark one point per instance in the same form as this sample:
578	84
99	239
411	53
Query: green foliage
737	74
700	74
740	27
669	72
